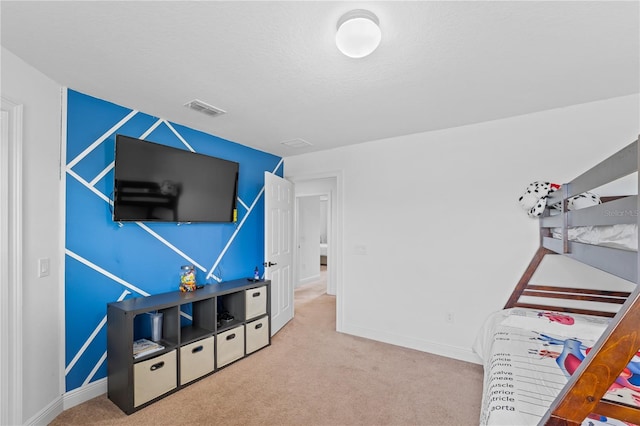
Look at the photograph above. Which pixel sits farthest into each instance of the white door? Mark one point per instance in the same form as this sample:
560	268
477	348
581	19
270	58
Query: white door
278	247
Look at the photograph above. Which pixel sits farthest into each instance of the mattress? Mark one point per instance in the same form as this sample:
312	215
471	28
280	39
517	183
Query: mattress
528	356
621	236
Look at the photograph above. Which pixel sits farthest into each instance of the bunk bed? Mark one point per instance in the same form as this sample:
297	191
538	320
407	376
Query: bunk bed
581	363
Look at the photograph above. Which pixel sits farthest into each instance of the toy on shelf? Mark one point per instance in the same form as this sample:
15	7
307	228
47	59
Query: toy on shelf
188	278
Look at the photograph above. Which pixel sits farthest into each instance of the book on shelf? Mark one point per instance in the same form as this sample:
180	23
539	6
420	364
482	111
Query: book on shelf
142	347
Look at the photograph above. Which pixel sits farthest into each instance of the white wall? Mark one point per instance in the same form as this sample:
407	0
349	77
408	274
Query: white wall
42	319
432	225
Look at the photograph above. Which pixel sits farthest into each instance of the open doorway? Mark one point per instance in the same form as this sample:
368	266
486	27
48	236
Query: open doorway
312	230
323	189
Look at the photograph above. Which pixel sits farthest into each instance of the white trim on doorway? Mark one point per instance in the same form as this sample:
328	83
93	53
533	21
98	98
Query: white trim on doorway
11	264
334	258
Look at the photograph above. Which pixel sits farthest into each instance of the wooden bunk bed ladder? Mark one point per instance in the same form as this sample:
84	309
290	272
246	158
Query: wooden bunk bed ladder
582	395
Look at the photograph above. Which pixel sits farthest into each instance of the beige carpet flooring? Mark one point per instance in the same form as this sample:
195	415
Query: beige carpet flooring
310	291
312	375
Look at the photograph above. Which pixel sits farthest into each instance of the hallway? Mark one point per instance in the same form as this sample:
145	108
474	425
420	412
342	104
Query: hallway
310	291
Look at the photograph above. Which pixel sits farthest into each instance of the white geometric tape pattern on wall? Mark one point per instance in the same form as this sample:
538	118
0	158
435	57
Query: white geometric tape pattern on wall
115	253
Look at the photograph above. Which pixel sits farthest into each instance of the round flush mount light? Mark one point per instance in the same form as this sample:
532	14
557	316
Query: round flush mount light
358	33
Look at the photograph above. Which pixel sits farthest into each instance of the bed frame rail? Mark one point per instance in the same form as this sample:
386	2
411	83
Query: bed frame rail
620	164
562	295
621	263
613	211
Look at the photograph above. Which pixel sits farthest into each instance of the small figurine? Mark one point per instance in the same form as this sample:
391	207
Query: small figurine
188	278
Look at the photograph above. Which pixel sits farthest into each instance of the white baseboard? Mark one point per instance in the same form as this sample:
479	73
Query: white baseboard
308	280
68	400
85	393
455	352
48	414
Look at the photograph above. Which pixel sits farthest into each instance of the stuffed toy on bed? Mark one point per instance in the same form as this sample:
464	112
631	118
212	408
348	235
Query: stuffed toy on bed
534	200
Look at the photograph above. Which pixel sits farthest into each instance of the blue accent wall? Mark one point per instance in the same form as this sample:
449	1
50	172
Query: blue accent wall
107	261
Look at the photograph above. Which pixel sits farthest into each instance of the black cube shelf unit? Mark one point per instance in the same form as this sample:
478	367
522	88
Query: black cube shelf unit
196	343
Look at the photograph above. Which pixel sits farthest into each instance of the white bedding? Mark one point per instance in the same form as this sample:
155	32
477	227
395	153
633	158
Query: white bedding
622	236
527	357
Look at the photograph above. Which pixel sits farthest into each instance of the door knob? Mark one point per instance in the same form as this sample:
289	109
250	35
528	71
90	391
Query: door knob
267	264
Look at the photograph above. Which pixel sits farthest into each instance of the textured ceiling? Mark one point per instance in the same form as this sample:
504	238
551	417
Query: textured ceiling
275	69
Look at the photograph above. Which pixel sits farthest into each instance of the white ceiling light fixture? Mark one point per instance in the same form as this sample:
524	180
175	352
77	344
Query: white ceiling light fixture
358	33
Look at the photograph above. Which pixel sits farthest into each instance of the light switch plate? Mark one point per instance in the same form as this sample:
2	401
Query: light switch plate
43	267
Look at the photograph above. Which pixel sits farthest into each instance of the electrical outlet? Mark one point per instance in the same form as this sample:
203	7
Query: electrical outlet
449	318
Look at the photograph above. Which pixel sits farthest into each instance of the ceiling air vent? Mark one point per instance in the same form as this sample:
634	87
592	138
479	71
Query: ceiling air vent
296	143
205	108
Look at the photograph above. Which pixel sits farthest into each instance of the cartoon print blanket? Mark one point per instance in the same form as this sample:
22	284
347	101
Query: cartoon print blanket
528	356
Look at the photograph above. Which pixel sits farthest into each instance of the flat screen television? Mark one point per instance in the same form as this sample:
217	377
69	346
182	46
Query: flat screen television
154	182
